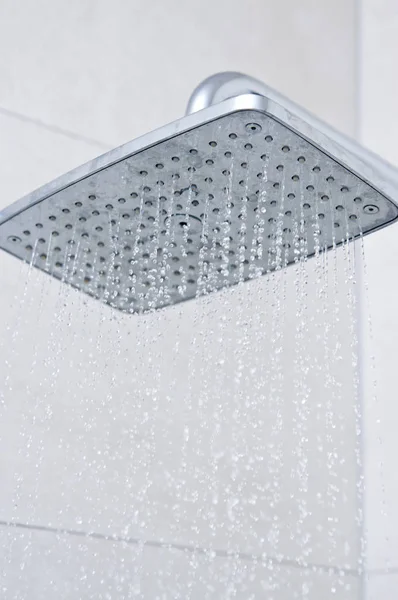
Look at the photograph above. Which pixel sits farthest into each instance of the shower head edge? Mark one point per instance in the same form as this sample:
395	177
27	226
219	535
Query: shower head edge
114	202
240	103
368	166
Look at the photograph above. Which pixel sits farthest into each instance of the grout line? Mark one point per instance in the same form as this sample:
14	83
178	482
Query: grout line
53	128
381	572
259	558
362	542
358	76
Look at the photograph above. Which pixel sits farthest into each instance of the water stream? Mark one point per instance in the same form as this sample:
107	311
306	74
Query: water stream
222	433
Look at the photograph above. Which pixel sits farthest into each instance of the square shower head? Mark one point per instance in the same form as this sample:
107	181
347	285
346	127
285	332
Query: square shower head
224	195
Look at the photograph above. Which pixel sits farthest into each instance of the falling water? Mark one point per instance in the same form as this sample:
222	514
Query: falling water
214	432
377	414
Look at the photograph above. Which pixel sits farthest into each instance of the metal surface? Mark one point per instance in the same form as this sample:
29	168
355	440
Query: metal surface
220	87
221	196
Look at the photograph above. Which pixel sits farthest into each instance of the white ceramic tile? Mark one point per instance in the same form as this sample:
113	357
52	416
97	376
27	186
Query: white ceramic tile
114	71
39	565
381	586
379	91
31	156
380	408
379	131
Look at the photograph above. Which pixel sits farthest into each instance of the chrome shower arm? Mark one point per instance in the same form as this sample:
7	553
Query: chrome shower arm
221	86
230	84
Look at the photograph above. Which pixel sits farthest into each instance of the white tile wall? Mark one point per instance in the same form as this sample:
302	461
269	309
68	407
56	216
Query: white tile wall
113	72
382	586
379	97
57	566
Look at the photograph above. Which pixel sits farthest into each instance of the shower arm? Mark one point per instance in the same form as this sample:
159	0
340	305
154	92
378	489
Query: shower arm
222	86
230	84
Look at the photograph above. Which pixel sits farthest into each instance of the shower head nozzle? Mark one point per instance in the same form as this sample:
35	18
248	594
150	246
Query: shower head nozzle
246	183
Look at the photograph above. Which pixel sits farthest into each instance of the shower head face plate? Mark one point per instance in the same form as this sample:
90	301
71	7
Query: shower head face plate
224	201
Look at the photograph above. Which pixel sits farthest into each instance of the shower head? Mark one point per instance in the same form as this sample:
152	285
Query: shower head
245	183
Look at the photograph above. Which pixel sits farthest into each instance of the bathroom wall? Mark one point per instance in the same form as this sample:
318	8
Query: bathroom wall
379	130
115	481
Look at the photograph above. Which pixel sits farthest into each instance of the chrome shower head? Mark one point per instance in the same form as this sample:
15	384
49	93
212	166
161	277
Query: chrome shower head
246	183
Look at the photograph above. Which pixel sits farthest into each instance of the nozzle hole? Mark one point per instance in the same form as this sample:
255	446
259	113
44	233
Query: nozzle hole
370	209
253	127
